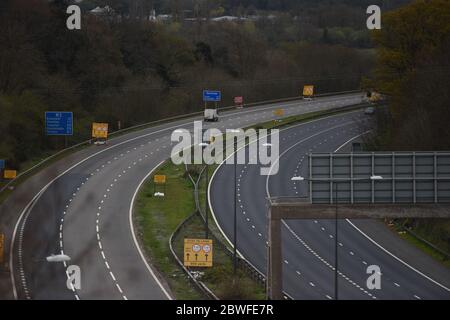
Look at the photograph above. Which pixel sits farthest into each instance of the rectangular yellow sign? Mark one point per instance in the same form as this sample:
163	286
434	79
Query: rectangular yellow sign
10	174
159	178
2	246
99	130
198	253
308	91
278	112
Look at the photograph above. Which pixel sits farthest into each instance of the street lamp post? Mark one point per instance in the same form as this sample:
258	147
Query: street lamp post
204	145
336	277
206	202
235	218
235	206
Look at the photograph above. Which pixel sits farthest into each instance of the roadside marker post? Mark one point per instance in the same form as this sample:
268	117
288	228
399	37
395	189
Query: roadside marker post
159	180
278	113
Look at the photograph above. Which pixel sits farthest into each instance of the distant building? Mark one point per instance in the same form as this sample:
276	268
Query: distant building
225	18
105	11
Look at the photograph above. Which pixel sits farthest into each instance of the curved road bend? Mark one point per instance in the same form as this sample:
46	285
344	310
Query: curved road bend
308	246
85	213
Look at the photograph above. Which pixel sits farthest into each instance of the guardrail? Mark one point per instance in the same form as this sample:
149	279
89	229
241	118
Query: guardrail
445	254
200	285
241	263
154	123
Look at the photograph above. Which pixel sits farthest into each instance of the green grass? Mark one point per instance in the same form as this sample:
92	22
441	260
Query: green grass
220	278
157	218
438	256
288	121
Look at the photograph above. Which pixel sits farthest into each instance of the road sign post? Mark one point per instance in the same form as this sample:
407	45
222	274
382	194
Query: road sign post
308	91
211	96
159	180
59	123
278	112
2	166
239	102
198	253
10	174
99	130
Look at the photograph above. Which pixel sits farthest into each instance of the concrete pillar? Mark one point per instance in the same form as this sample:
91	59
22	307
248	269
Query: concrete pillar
274	263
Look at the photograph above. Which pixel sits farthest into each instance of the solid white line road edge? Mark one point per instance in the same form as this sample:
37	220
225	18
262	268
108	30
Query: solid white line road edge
38	195
136	243
218	167
381	247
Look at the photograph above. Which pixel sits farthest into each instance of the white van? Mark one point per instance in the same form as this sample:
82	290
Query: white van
211	115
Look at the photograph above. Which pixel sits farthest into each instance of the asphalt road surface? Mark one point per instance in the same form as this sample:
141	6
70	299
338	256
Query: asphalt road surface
85	212
309	245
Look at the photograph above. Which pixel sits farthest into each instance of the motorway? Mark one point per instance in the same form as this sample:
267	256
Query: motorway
309	245
85	211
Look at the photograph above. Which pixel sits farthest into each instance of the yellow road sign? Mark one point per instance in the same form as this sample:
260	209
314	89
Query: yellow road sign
198	253
278	112
2	245
99	130
308	91
10	174
159	179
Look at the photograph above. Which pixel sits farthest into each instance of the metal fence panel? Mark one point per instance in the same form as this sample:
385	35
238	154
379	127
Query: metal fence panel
406	177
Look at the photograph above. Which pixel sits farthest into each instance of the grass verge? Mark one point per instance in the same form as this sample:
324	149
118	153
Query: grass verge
157	218
424	247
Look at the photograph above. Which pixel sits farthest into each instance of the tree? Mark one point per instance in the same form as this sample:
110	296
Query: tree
413	68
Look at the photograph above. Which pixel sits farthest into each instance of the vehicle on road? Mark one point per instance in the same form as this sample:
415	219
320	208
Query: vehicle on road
99	141
369	110
211	115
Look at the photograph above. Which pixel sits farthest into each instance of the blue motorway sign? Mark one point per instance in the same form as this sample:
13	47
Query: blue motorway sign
2	164
214	96
59	123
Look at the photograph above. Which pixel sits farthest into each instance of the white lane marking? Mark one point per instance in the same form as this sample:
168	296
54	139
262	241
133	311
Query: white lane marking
287	226
220	165
384	249
40	192
397	258
231	155
130	215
